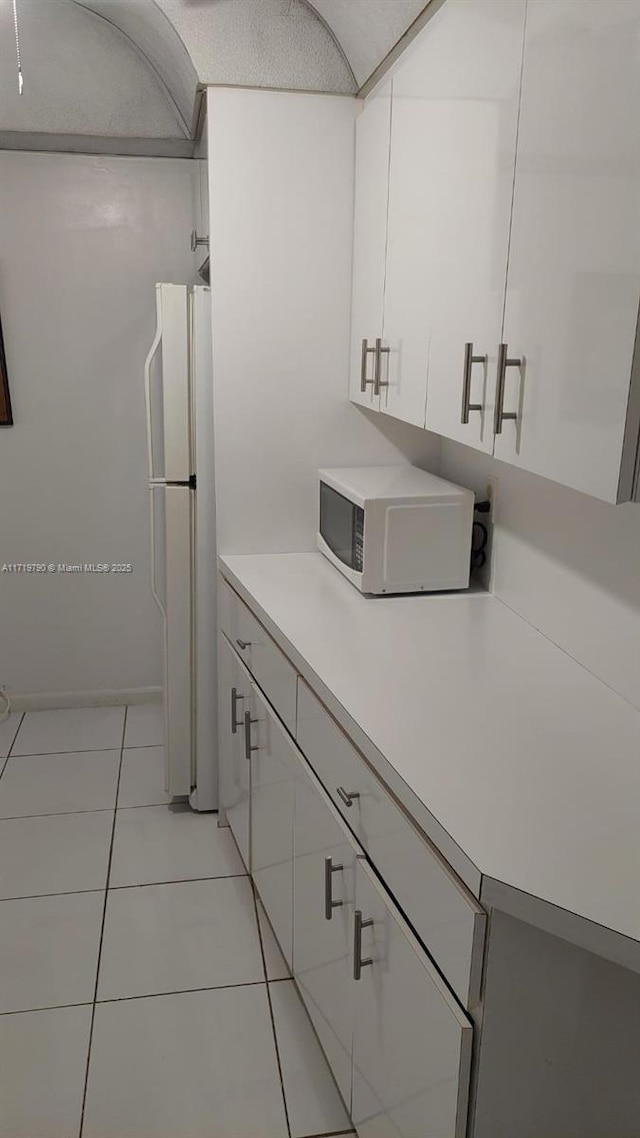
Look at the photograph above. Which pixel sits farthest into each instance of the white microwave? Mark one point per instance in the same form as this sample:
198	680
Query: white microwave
396	529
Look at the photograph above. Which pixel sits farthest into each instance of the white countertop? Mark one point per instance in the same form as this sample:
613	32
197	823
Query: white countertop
522	757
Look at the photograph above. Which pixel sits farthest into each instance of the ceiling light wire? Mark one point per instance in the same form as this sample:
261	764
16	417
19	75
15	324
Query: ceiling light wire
15	25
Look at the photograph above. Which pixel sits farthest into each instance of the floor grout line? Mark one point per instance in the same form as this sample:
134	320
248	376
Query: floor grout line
61	893
179	804
78	750
329	1134
182	992
140	996
58	814
46	1008
13	743
102	927
73	751
174	881
272	1017
151	805
142	746
91	810
114	888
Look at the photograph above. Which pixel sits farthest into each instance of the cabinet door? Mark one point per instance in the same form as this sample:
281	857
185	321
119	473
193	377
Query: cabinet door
324	893
273	765
410	227
574	264
463	82
411	1041
446	917
234	687
369	242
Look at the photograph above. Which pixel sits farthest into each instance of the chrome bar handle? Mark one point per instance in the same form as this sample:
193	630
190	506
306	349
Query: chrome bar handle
347	796
358	962
235	700
196	240
366	350
504	361
242	644
329	903
247	736
378	382
469	360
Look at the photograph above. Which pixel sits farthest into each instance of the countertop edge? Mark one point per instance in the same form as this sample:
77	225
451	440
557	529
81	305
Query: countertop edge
604	942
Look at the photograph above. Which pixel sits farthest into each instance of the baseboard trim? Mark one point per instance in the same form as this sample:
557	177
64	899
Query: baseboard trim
105	697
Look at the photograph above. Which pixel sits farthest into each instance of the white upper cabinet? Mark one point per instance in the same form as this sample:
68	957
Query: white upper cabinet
408	286
506	261
369	245
574	263
465	75
454	111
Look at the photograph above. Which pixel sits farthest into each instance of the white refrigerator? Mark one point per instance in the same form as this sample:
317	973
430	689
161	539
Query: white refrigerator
179	409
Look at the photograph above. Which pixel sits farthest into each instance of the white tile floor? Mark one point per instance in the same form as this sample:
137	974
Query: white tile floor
142	992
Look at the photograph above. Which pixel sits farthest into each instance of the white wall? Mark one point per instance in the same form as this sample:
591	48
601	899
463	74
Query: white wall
281	170
569	564
82	241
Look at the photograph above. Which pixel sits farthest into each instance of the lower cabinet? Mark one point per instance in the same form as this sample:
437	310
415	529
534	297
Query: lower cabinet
234	686
411	1039
398	1042
324	901
273	769
396	1039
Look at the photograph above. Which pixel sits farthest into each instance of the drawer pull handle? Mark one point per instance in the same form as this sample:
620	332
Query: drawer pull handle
247	736
235	700
347	796
469	360
242	644
358	962
329	903
504	361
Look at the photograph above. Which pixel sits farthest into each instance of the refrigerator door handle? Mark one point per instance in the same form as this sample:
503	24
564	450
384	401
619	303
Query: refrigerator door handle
152	531
147	383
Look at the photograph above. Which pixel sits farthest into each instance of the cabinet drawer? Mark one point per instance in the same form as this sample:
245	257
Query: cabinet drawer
260	654
444	914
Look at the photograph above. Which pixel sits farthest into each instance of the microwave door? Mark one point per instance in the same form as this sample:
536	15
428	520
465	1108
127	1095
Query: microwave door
342	527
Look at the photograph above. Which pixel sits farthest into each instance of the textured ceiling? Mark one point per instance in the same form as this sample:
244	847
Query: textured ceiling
82	77
261	43
147	27
129	69
367	29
